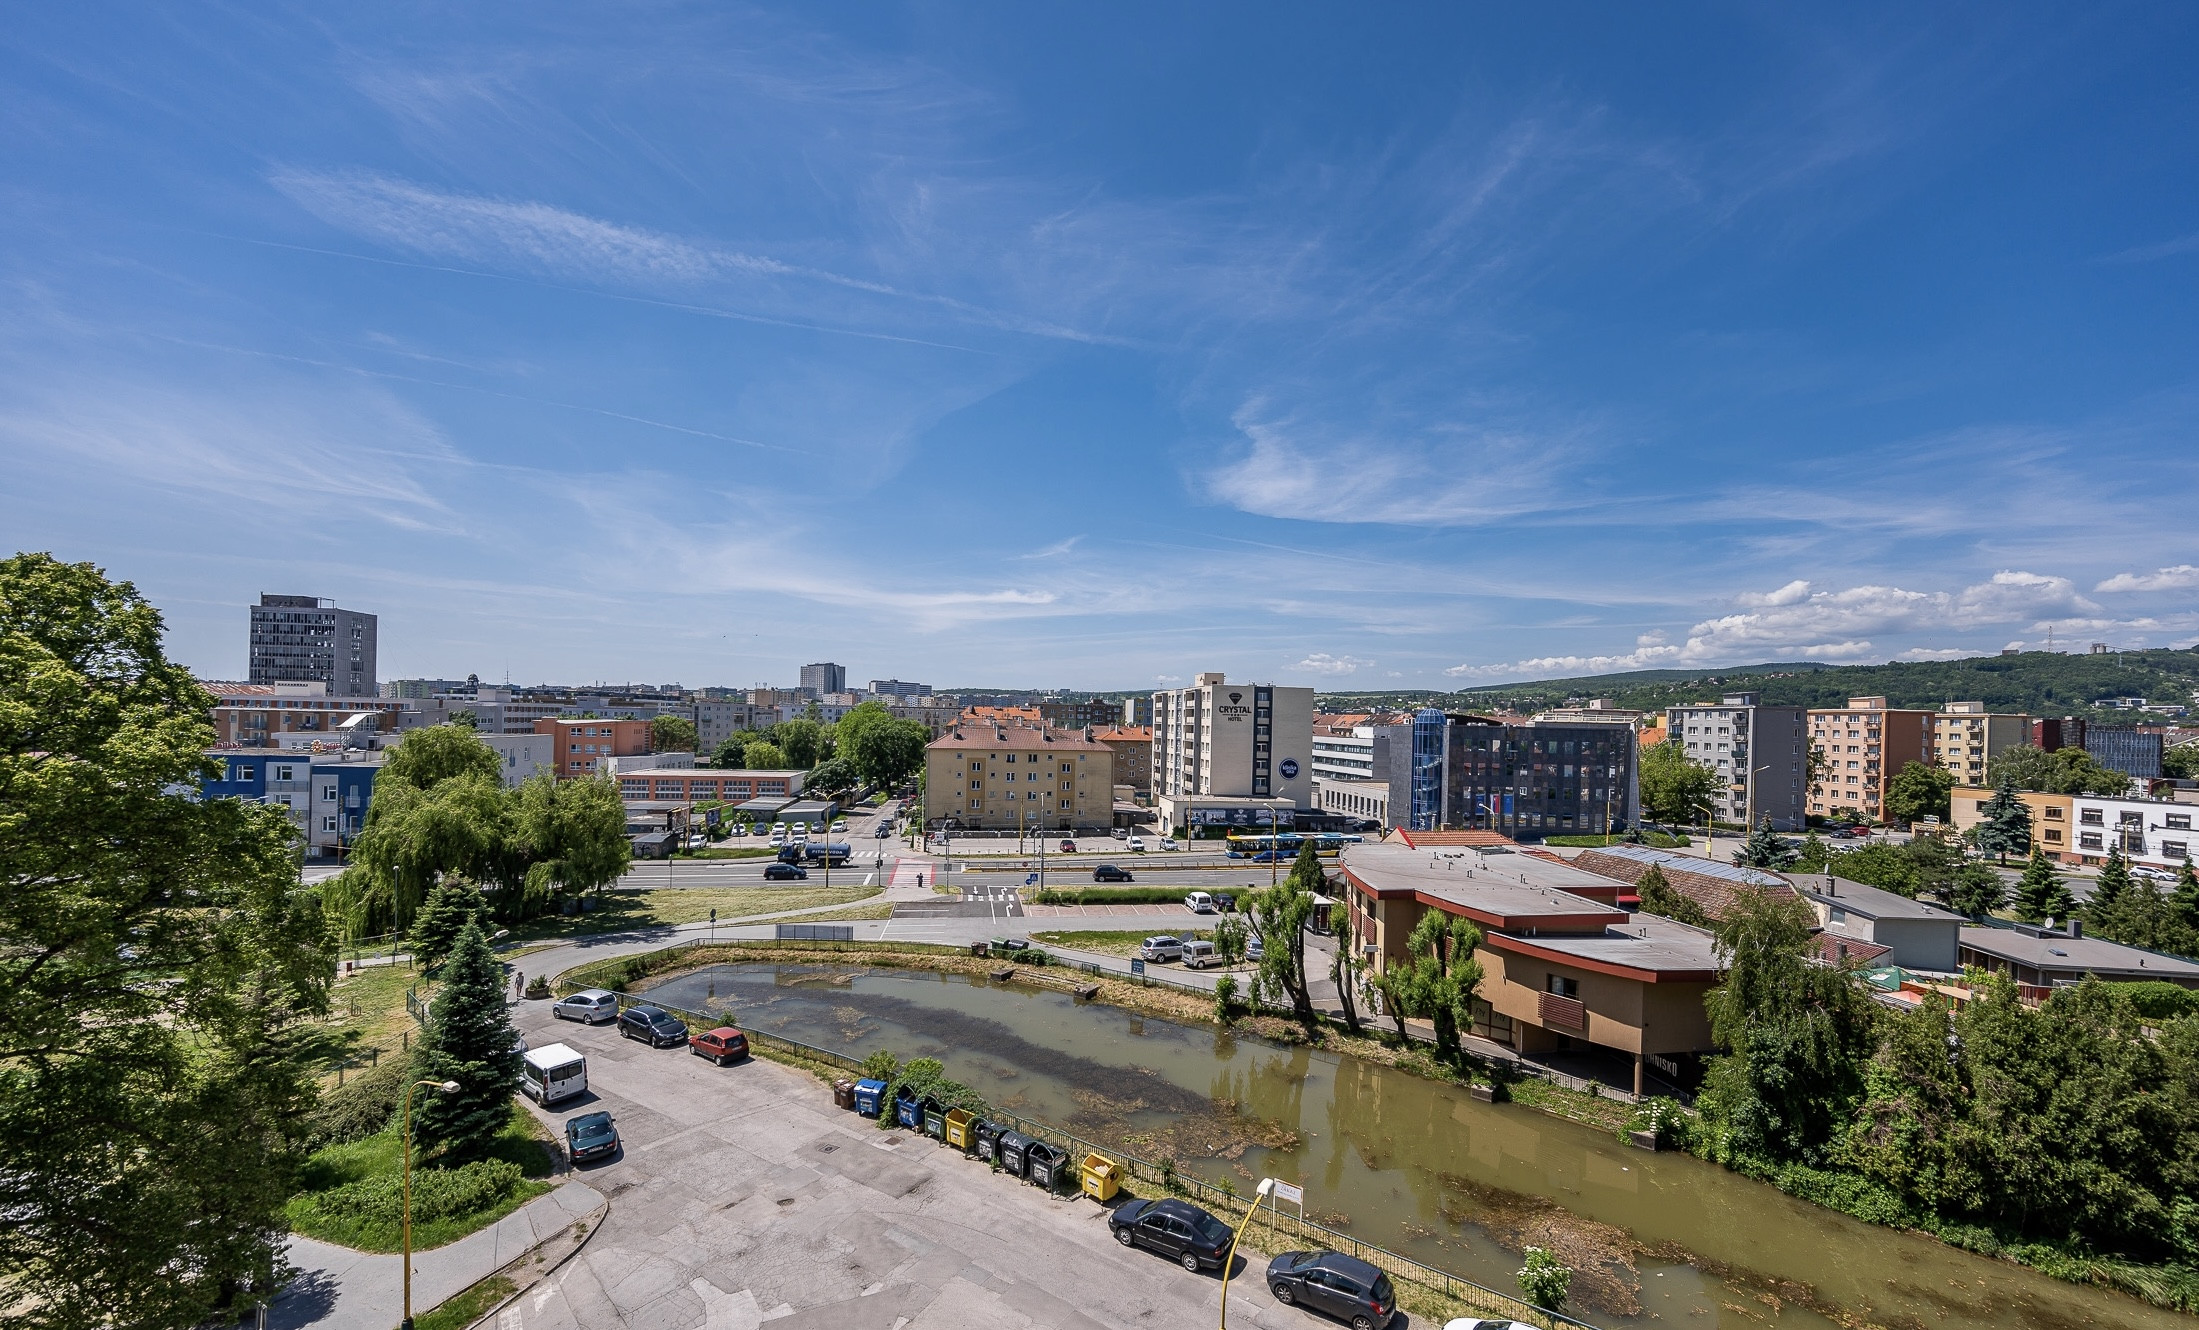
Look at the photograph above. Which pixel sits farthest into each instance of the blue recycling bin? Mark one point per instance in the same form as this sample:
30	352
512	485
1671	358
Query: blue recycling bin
908	1110
867	1095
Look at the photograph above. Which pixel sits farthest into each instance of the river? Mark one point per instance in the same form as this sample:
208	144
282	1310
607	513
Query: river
1410	1164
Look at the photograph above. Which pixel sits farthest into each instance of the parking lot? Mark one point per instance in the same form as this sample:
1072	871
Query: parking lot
742	1196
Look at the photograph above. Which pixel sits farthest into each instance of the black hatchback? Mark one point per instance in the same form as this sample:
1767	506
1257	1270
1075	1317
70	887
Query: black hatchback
1176	1229
1110	873
785	873
660	1027
1343	1286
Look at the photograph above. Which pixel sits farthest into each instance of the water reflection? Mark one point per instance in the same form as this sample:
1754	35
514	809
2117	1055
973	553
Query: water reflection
1411	1165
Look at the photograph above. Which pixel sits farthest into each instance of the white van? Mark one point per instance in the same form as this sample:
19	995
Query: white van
552	1073
1198	955
1162	948
1199	902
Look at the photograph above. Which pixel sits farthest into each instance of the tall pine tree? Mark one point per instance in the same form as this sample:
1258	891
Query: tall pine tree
469	1040
2104	913
2042	894
2005	827
2186	900
1765	848
451	905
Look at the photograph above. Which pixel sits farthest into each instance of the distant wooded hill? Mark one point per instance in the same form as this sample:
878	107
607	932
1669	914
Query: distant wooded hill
2039	683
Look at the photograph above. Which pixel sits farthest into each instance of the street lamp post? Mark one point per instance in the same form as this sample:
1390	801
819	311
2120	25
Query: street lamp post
445	1087
1259	1194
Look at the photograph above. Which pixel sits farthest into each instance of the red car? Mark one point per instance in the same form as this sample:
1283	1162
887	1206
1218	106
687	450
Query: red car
1068	847
722	1045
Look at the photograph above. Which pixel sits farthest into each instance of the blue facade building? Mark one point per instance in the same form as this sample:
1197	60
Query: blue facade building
2135	753
326	794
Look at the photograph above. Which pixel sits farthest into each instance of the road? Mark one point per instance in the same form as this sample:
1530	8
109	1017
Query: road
743	1198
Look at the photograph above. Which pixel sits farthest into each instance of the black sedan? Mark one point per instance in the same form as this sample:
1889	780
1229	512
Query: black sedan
1176	1229
1110	873
591	1136
1343	1286
785	873
660	1027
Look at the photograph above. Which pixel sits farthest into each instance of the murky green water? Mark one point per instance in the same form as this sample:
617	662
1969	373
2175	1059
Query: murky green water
1412	1165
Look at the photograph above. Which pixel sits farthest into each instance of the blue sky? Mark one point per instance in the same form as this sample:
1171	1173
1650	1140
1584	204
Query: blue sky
1406	347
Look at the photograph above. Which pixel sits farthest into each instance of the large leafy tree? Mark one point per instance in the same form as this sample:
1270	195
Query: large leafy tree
672	734
469	1039
1445	978
161	961
2063	771
732	754
2004	825
834	775
801	739
2042	893
1661	898
1919	791
764	755
887	753
1794	1036
1675	788
426	758
1281	914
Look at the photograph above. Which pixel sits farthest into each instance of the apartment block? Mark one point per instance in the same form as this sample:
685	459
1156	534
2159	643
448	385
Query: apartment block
1217	742
1011	777
1966	737
1865	744
1132	746
326	794
581	747
824	677
2134	752
305	639
2053	817
279	715
718	719
1758	752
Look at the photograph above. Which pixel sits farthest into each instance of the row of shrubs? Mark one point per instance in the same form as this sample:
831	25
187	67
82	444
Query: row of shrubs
1111	896
437	1193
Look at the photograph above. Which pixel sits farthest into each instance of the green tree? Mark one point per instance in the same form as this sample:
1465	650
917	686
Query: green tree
2186	900
2022	767
411	838
1545	1279
1918	791
1344	964
2181	762
834	775
451	905
2103	914
465	719
1794	1036
1675	788
887	754
1661	898
1446	980
1814	856
1765	848
425	758
2004	825
763	755
671	734
1281	914
857	719
801	739
2063	771
732	754
469	1039
1977	891
570	839
162	964
2042	893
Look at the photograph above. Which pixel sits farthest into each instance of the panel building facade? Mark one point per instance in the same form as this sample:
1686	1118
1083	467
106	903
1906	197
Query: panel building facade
1759	753
1224	753
305	639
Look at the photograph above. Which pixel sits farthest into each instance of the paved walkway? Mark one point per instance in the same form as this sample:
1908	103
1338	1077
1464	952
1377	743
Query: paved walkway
341	1289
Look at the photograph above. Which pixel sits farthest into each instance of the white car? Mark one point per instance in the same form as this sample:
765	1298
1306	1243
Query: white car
779	827
590	1006
1199	902
839	824
1136	844
1167	843
778	838
801	835
2156	874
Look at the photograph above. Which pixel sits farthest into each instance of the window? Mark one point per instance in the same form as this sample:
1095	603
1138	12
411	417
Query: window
2177	822
244	773
2175	849
1562	986
1011	757
2052	814
2054	835
977	785
328	824
328	794
2089	816
2089	840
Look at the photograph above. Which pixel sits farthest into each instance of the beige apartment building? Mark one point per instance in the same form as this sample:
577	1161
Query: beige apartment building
1006	777
1864	744
1965	737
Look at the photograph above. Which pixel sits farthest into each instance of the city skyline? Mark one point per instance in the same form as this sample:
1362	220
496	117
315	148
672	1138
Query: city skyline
1093	351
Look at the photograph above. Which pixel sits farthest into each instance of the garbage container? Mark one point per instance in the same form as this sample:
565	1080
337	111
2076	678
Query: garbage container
999	945
1102	1177
1014	1152
868	1093
908	1110
979	948
958	1128
986	1137
1048	1164
843	1094
935	1119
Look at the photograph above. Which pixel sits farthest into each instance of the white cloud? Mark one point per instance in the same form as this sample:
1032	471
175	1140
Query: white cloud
1320	662
1936	653
2182	577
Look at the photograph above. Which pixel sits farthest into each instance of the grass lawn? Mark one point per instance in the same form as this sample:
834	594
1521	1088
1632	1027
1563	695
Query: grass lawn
367	1012
624	910
882	910
1111	941
381	1156
468	1306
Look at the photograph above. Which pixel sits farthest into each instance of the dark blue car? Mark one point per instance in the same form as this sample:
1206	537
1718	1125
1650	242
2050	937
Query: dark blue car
591	1136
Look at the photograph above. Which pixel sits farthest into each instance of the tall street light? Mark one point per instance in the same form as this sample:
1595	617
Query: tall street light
446	1087
1229	1262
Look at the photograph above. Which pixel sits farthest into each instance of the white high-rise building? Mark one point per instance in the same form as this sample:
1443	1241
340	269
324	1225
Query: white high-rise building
1760	754
1225	754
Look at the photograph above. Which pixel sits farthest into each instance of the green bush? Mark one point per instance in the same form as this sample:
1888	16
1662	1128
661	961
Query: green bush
1029	956
437	1194
2158	999
1121	895
362	1105
1666	1118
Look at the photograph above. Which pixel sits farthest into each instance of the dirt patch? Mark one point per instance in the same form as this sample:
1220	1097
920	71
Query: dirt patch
1602	1255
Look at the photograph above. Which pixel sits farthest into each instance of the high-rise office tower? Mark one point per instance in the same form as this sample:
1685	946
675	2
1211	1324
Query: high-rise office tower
305	639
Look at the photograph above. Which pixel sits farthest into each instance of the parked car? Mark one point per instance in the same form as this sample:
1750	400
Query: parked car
778	838
1176	1229
1255	949
590	1006
779	827
1224	902
1167	843
1482	1323
1110	873
697	841
1199	954
1136	845
654	1024
839	824
785	872
722	1045
1068	847
1345	1287
1199	902
591	1136
1118	832
1163	947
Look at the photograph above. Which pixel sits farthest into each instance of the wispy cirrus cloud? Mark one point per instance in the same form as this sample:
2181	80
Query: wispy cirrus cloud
1321	662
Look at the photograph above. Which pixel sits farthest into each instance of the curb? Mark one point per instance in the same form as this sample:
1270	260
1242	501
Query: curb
593	1219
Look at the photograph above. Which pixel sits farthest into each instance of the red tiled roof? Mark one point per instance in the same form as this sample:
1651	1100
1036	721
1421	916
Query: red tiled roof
1714	894
1836	950
1125	734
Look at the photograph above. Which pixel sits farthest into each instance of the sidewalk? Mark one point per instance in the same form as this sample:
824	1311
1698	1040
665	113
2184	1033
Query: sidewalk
341	1289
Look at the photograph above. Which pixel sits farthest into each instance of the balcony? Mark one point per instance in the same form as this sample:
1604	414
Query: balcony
1563	1013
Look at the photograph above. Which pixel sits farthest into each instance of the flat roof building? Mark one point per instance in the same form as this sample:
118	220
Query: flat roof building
305	639
1218	740
1966	737
1916	936
2042	957
1759	753
1865	744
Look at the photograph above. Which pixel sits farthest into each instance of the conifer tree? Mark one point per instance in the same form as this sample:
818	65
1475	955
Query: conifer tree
2042	894
2104	912
1765	848
469	1040
2006	828
451	905
1978	891
2186	900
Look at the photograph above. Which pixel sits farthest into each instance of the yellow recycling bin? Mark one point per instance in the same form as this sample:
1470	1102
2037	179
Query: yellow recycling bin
958	1129
1102	1177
